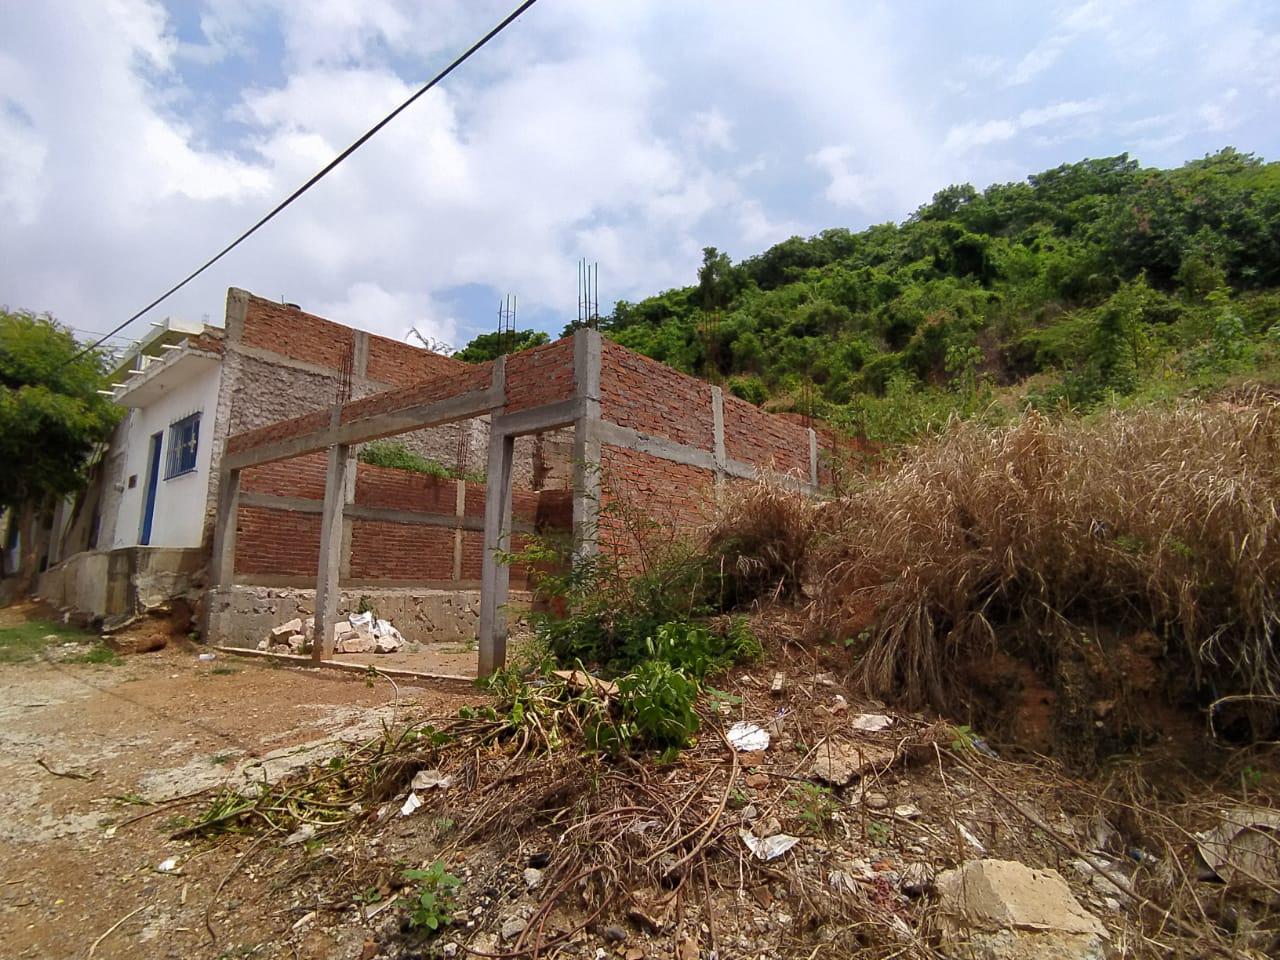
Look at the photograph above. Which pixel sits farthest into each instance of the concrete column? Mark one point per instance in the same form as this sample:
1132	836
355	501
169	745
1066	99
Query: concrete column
495	577
717	426
328	578
586	443
460	511
813	458
223	566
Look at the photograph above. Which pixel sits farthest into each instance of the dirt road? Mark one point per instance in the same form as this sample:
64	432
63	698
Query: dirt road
83	744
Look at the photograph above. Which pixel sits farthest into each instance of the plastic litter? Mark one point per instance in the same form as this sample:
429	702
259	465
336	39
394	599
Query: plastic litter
431	779
411	803
747	737
871	722
768	848
207	657
168	866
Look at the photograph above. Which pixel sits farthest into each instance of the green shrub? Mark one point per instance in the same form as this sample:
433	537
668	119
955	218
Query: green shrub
388	453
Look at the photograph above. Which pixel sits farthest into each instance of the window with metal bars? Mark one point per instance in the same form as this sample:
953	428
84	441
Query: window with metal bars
184	438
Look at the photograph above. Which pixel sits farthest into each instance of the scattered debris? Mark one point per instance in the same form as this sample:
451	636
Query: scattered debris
779	682
748	737
206	657
1007	911
839	763
871	722
411	803
1243	849
917	878
301	835
581	680
768	848
168	866
431	780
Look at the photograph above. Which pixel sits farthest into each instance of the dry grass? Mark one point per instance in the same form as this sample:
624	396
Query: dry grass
762	535
1164	519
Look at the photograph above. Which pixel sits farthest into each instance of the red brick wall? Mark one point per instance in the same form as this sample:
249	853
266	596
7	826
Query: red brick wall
293	333
759	438
540	376
391	361
304	336
277	542
638	488
299	477
404	490
648	396
471	378
400	551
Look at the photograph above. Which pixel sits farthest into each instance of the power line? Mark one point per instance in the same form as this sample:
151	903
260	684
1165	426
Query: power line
457	62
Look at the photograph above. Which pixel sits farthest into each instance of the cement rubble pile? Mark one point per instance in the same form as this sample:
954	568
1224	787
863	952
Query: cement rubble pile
359	633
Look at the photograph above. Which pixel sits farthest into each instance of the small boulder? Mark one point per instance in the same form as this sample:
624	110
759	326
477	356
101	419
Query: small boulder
1005	910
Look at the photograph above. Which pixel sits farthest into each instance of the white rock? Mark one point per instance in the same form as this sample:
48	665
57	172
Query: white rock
871	722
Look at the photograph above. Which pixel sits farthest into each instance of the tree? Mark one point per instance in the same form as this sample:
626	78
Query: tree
51	417
487	346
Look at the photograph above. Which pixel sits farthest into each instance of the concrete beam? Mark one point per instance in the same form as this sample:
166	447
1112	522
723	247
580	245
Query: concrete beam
495	577
537	419
473	403
358	511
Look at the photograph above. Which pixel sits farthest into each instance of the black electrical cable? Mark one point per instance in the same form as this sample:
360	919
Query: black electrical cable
457	62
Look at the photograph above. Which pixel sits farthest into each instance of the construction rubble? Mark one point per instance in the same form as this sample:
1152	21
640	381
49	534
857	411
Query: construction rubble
358	633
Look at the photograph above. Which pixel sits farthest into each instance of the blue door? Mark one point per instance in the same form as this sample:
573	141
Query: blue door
149	495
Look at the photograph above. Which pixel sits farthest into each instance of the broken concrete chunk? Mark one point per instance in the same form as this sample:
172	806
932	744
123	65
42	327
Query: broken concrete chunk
285	629
385	645
1007	911
779	681
354	643
839	763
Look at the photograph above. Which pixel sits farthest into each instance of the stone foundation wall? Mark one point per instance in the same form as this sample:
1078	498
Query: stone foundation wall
240	616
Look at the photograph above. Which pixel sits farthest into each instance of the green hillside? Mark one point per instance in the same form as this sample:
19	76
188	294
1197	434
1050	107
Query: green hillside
1095	282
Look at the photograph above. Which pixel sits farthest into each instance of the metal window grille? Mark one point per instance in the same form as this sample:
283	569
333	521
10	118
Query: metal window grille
184	438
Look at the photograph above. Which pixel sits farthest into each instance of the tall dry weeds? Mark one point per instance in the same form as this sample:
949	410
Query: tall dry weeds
1163	518
761	537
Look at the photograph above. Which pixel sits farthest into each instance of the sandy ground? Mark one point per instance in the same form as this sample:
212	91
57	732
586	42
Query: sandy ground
157	726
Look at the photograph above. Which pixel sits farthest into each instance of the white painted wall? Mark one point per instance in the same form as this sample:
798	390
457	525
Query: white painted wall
180	502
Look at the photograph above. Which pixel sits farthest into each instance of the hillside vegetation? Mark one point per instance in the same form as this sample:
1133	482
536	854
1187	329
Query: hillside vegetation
1093	282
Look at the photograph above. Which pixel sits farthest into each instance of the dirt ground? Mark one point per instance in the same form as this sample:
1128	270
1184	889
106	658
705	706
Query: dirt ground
84	743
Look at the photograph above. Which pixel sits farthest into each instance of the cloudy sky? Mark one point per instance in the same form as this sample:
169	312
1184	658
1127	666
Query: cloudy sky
138	136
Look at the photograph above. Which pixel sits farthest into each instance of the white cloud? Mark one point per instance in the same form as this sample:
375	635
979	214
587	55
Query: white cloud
369	305
967	136
711	128
1057	112
586	129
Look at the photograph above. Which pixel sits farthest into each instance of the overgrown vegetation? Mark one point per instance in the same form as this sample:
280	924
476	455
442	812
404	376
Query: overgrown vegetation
1090	282
1130	559
26	641
397	456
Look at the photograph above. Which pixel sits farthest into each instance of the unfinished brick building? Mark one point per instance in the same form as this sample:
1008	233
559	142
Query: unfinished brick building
638	429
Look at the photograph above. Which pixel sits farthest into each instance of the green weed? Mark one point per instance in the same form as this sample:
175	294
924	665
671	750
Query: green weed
432	903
